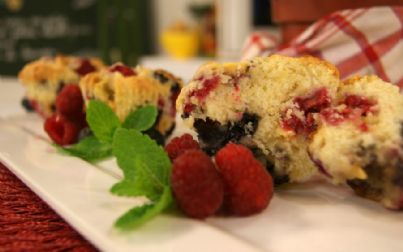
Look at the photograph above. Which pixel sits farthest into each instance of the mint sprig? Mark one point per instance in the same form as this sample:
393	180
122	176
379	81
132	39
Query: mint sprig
146	168
145	165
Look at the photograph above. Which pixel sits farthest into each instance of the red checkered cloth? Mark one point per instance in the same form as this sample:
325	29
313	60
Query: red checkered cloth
358	41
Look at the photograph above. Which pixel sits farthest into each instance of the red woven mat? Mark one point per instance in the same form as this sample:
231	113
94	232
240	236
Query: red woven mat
28	224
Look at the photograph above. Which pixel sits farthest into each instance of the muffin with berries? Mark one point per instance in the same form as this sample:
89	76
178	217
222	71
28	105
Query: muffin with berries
269	104
46	77
299	118
125	89
360	140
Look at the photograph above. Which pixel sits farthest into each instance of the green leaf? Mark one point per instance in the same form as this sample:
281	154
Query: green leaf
146	168
131	148
89	149
139	215
102	120
142	119
143	184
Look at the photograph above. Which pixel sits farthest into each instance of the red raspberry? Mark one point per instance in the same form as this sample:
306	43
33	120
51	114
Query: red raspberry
248	186
85	67
196	184
61	130
178	145
69	102
124	70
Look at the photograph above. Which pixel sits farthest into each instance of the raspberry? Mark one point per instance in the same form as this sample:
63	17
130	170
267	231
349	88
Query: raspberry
313	103
207	85
124	70
196	184
61	130
355	101
80	120
178	145
85	67
69	102
248	186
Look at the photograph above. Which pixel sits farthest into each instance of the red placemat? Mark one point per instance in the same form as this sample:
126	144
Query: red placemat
28	224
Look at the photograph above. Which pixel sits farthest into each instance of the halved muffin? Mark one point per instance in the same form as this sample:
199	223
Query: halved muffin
269	104
360	140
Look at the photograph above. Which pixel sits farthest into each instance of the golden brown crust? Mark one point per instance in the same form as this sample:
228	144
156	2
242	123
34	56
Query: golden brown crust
125	94
47	71
169	76
53	70
310	60
356	78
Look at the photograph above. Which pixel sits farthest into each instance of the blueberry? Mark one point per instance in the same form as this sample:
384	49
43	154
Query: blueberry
372	168
212	135
246	126
159	75
364	189
176	88
156	136
26	104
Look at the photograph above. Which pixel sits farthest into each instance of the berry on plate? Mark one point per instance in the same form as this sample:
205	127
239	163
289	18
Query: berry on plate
69	102
178	145
61	130
196	184
248	186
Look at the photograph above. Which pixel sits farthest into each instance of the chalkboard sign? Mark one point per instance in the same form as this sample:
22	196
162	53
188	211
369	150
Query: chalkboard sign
30	29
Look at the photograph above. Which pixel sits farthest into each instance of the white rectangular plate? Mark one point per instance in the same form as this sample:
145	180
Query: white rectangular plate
311	217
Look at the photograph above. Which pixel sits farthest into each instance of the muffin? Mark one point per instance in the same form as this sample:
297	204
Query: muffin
360	140
299	118
45	78
269	104
125	89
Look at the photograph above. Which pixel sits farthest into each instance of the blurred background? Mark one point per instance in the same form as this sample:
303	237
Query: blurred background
177	35
157	32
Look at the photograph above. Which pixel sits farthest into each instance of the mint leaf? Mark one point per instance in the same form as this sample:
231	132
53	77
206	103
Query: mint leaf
102	120
142	119
131	147
143	184
89	149
139	215
146	168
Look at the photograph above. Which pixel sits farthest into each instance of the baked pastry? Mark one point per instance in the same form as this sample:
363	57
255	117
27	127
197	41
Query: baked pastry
45	78
298	118
125	89
360	140
258	103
